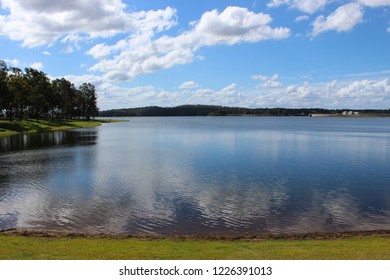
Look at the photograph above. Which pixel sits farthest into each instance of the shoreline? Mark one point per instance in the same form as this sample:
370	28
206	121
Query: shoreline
8	128
196	237
29	244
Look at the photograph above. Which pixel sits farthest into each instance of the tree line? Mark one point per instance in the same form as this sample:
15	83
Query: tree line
211	110
31	94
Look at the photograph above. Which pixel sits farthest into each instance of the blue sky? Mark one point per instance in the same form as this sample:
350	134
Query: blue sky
266	53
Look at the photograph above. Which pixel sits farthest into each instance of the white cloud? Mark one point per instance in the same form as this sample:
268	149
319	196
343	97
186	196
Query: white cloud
301	18
138	97
339	94
304	92
267	81
141	53
375	3
265	78
37	65
345	18
230	89
46	53
307	6
189	84
365	88
358	94
260	77
37	23
271	84
78	80
230	95
236	24
103	50
13	62
201	92
68	49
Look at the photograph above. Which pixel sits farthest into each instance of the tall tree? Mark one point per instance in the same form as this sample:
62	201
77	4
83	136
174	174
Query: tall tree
32	94
6	96
3	83
19	88
40	89
89	101
65	92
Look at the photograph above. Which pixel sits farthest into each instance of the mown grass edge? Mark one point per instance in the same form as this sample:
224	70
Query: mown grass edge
106	247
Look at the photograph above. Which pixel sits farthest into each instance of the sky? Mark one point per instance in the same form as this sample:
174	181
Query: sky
265	53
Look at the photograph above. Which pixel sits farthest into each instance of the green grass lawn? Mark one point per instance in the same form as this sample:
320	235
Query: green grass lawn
25	126
46	248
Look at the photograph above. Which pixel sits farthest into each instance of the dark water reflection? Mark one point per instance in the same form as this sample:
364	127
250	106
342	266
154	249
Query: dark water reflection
46	140
201	175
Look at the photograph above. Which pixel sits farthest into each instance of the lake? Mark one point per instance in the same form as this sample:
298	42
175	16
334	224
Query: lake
200	175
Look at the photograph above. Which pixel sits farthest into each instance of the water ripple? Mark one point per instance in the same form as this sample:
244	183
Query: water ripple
206	175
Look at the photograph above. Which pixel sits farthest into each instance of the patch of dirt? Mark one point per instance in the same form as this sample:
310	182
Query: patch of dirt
221	237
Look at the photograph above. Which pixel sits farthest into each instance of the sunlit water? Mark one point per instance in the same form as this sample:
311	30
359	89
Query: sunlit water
196	175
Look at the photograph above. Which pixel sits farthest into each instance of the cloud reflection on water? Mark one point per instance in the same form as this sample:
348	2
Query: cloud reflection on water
215	179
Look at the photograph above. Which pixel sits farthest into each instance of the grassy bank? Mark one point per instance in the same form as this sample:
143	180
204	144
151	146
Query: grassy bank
45	248
8	128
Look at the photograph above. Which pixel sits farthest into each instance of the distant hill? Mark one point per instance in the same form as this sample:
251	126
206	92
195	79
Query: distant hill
210	110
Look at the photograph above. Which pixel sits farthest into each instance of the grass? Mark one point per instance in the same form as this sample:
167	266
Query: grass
46	248
8	128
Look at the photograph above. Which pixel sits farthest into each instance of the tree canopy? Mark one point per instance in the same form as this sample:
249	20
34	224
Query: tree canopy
31	94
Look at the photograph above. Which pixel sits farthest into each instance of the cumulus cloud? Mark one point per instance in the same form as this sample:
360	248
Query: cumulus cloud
259	77
304	93
343	19
307	6
375	3
189	84
301	18
112	96
338	94
37	23
235	25
267	81
68	49
37	65
230	95
14	62
77	80
271	84
359	94
143	53
365	88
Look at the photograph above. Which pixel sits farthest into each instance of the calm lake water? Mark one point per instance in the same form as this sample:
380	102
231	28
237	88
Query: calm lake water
196	175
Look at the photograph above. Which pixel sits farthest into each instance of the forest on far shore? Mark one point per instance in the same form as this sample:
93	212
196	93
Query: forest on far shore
210	110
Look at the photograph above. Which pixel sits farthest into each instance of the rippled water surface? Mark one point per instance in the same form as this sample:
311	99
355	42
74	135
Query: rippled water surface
200	175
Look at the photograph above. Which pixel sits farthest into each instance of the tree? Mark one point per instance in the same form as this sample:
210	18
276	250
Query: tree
6	96
3	84
65	93
32	94
40	89
88	100
19	88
